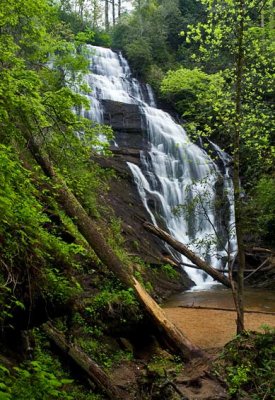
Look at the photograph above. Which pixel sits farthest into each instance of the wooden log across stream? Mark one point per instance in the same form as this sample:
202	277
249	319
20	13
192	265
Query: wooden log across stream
181	248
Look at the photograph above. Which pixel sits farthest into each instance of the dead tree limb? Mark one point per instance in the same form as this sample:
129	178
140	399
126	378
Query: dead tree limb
226	309
181	248
80	358
261	250
257	269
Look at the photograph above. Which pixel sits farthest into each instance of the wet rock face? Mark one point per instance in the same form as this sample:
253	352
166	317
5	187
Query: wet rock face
126	121
124	198
122	116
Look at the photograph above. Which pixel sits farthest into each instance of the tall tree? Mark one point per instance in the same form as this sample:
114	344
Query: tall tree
106	12
96	14
119	8
240	13
233	38
113	11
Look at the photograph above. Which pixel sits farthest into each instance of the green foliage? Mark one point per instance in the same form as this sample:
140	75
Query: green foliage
218	35
199	97
161	368
41	98
33	380
119	304
116	240
111	310
28	250
147	285
21	213
156	25
57	287
40	76
139	54
40	379
8	304
155	76
237	376
206	94
105	298
247	365
263	207
103	353
102	39
144	37
82	16
169	271
160	364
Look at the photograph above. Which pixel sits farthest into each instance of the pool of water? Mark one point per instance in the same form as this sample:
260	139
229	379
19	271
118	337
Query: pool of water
221	297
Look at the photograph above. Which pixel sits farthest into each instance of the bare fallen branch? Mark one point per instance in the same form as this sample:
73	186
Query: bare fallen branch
181	248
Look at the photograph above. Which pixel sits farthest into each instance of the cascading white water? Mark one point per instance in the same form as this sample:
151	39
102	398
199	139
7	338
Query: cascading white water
175	172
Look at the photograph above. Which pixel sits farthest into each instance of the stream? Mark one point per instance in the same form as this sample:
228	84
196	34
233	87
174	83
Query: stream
218	296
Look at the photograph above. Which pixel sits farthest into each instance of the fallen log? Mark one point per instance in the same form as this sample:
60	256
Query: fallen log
261	250
173	337
181	248
217	269
257	269
227	309
172	333
90	367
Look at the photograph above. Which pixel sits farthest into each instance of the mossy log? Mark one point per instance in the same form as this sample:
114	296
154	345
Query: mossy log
80	358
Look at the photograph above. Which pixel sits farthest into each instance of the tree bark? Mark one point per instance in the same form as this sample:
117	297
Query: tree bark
107	24
114	12
174	338
236	167
80	358
181	248
119	9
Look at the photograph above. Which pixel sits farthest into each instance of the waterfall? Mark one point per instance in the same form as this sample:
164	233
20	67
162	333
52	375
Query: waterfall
178	182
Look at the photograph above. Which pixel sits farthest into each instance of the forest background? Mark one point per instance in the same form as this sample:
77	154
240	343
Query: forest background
187	51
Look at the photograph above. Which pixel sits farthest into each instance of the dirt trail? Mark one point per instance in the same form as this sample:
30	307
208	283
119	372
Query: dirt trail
213	328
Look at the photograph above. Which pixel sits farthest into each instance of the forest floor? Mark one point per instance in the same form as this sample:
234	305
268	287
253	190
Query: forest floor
208	328
214	328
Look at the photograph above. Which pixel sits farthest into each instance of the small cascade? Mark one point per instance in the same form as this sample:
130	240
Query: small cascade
178	182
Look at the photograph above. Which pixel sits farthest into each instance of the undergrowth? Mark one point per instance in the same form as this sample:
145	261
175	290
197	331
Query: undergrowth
42	378
247	365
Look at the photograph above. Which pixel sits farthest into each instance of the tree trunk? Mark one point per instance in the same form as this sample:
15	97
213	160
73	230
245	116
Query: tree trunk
119	9
174	339
80	358
236	168
177	342
181	248
107	25
96	14
114	12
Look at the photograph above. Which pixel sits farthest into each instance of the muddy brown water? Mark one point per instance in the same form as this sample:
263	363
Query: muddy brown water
220	297
208	327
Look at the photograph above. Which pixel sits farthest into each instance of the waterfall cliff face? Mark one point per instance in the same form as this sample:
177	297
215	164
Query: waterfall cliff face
179	183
